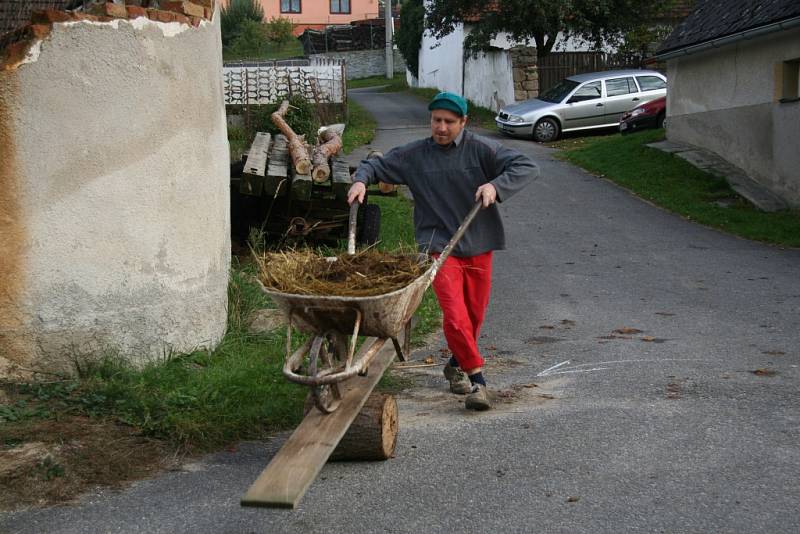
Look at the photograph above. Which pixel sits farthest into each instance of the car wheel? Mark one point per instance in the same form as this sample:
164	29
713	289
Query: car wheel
545	130
660	120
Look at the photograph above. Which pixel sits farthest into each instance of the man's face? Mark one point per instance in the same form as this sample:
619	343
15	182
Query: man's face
446	125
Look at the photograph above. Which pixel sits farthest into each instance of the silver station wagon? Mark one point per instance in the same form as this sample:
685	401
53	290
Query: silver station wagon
581	102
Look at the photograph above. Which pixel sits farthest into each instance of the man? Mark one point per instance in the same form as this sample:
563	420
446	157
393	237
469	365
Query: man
447	173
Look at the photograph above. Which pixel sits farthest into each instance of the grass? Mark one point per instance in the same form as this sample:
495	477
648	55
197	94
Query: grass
292	49
360	128
398	83
678	186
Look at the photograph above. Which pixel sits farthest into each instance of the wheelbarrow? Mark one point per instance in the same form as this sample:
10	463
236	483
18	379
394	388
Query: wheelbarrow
336	322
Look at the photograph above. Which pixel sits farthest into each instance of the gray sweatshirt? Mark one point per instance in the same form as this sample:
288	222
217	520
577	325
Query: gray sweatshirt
443	180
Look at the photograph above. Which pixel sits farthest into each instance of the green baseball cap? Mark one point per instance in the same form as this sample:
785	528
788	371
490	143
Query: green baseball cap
449	101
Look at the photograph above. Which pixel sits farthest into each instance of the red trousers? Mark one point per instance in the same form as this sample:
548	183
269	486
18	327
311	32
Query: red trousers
462	286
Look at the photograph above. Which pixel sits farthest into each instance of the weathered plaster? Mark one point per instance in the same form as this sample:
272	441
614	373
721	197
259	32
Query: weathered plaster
122	161
724	100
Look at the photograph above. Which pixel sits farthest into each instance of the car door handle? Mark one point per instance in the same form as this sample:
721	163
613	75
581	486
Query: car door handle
636	99
599	105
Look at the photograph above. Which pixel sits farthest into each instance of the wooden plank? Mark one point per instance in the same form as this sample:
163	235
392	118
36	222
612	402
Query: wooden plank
340	177
278	170
292	470
301	185
255	166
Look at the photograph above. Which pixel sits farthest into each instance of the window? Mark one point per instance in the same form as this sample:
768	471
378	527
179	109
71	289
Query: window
589	91
290	6
340	6
791	81
620	86
651	83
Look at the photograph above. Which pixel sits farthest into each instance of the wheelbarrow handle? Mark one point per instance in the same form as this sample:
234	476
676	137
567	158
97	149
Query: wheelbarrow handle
457	236
351	228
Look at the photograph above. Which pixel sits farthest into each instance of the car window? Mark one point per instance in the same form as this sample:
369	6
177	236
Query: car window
651	83
588	91
620	86
559	92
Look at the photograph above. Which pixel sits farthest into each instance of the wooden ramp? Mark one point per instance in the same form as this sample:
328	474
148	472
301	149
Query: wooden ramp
290	473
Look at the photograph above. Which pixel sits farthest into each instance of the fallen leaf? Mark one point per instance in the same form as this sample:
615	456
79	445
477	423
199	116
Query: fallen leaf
764	372
573	498
774	353
546	396
529	386
547	327
429	359
648	338
567	322
627	330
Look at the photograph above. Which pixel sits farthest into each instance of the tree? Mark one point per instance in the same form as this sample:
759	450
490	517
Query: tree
597	21
409	35
233	16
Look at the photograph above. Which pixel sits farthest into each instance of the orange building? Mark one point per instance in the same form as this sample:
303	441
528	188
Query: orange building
317	14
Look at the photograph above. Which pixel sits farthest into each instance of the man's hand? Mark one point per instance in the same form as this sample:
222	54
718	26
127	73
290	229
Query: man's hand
357	191
487	194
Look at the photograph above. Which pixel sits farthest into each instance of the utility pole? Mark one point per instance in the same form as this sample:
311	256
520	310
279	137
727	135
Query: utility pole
387	13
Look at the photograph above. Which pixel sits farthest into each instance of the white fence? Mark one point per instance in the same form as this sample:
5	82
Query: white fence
319	80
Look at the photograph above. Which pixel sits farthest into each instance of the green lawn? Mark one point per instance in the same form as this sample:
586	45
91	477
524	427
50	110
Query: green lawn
292	49
674	184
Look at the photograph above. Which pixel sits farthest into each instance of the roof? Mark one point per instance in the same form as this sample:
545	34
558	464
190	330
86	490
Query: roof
713	19
586	76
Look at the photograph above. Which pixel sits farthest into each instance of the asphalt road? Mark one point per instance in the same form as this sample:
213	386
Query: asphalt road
660	427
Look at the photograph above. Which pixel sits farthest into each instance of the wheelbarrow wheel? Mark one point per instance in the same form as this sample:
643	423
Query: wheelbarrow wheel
326	354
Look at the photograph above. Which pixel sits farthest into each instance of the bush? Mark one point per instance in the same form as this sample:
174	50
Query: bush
279	31
251	41
302	117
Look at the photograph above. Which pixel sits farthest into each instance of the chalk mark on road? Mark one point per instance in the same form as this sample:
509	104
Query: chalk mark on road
559	369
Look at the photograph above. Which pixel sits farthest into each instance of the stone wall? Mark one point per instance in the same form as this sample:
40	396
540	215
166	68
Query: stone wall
365	63
114	171
525	72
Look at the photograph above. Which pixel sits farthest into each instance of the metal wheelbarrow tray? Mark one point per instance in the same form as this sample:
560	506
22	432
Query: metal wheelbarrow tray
335	323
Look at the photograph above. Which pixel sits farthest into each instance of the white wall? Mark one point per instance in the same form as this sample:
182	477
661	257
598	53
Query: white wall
116	136
489	80
441	62
726	100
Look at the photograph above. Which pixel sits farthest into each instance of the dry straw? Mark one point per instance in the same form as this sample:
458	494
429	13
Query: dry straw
367	273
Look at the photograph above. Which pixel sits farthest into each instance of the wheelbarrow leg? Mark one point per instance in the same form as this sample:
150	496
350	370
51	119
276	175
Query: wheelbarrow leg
404	349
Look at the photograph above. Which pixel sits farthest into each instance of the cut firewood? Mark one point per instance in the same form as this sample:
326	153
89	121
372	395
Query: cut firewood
373	434
297	144
322	153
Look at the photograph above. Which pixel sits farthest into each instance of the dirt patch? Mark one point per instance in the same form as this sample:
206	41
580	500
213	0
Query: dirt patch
44	462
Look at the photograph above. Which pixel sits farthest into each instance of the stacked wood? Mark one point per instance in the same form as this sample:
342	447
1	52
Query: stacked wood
277	177
254	168
297	145
332	144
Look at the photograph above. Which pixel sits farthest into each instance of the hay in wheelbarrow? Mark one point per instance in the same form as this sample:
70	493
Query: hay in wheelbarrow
367	273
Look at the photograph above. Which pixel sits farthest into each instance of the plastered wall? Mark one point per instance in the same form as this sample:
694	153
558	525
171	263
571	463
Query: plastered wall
114	218
727	100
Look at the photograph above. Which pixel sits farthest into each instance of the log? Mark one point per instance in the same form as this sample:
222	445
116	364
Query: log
373	433
297	145
322	153
384	188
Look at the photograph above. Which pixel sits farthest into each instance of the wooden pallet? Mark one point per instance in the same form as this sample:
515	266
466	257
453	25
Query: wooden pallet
292	470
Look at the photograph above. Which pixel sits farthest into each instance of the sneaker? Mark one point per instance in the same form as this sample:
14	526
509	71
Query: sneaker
478	399
459	381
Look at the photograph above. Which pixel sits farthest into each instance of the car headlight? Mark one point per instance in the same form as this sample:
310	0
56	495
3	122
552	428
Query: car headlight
515	118
637	111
